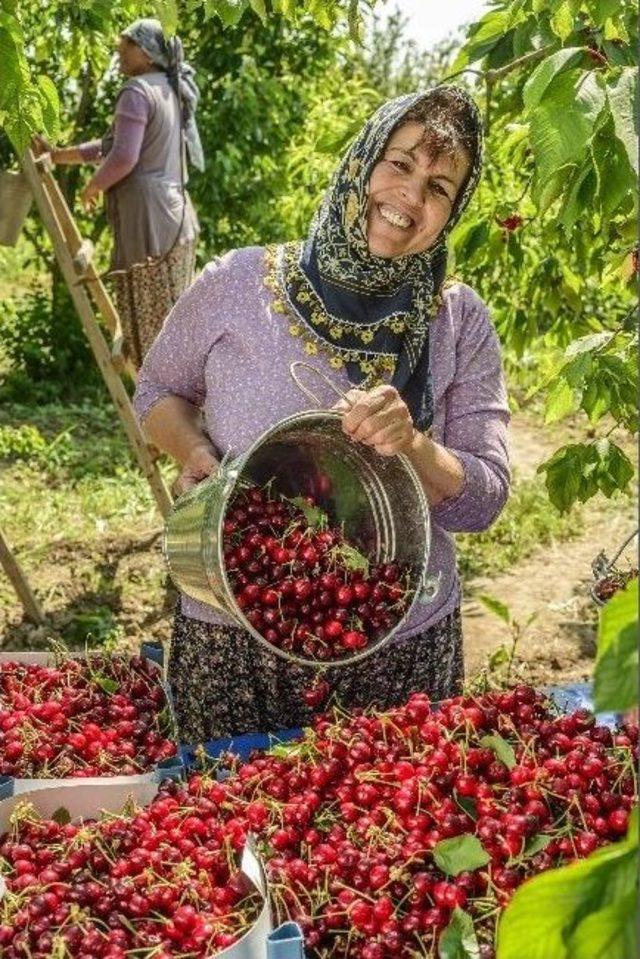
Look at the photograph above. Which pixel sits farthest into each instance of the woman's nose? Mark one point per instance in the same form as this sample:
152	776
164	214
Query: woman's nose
413	194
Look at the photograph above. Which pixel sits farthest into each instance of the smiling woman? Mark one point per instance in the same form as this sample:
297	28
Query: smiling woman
364	295
412	191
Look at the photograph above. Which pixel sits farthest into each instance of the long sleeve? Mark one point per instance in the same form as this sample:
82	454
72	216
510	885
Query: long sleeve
477	415
176	363
131	116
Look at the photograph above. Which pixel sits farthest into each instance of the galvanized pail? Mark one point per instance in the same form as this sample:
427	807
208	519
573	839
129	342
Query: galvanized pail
15	200
379	499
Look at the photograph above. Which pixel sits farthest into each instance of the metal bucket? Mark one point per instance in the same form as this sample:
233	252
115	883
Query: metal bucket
15	200
379	499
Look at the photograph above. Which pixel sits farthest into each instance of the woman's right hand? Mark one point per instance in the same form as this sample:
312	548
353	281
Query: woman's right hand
200	464
41	145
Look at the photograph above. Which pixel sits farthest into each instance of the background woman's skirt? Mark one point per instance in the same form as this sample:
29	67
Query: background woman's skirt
146	292
226	683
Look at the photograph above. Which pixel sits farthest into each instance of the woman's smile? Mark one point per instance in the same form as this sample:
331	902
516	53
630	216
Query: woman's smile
395	217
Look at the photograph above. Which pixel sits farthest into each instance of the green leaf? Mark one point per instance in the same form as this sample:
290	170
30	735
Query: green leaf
578	194
351	557
484	36
496	607
564	122
50	107
109	686
545	191
615	179
467	804
259	7
536	844
561	21
593	341
609	933
616	670
460	854
561	401
229	11
502	749
539	81
499	657
623	97
562	476
544	911
596	400
601	10
62	816
167	13
458	940
314	516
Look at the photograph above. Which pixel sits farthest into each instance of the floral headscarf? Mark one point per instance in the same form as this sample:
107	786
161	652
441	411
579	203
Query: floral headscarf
372	313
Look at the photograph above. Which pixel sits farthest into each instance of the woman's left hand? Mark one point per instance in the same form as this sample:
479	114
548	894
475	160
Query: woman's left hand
89	196
380	418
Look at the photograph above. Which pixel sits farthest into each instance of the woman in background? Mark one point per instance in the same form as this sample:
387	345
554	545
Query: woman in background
143	177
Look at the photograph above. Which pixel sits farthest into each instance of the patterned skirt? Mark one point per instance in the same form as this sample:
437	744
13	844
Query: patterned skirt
146	292
226	683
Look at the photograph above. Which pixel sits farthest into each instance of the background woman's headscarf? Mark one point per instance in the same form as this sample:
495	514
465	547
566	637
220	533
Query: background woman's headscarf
373	313
169	56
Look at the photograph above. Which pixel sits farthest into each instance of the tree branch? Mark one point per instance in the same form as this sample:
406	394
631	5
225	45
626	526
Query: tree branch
492	76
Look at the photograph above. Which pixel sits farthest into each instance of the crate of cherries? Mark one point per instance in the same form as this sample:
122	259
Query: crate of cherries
385	835
302	585
65	717
117	870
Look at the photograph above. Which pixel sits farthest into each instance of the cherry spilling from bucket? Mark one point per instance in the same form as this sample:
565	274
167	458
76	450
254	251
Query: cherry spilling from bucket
301	584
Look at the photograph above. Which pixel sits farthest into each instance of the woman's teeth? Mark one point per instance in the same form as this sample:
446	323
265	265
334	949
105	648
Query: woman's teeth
394	217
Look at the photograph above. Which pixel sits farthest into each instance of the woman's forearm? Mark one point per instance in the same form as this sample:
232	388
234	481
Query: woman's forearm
175	426
440	471
67	155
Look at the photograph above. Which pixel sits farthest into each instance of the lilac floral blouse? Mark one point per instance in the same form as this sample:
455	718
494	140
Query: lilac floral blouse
226	349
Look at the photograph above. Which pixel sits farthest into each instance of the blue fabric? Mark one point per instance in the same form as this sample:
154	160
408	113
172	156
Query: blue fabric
574	696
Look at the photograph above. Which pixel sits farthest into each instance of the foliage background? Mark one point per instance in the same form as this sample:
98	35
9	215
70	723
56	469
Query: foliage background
284	88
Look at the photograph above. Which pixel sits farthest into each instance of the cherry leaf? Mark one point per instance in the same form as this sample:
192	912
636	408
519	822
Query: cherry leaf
501	748
460	854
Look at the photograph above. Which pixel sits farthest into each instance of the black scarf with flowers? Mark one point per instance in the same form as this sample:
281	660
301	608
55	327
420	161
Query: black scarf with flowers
371	313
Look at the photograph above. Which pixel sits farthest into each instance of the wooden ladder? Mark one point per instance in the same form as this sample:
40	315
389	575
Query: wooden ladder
19	581
91	299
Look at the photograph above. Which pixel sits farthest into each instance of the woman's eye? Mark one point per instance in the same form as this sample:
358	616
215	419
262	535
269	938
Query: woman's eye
400	165
441	190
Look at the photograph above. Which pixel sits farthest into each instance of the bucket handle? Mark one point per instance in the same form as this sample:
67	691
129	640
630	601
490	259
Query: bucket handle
307	392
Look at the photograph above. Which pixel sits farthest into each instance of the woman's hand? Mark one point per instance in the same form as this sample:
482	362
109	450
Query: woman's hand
40	145
199	464
379	418
89	196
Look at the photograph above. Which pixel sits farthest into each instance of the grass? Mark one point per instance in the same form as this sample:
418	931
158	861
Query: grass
527	521
67	474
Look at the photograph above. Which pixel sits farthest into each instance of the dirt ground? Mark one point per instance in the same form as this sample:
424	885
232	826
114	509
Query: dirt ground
118	588
552	585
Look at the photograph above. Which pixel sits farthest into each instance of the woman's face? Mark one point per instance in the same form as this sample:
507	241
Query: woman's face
411	197
133	59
